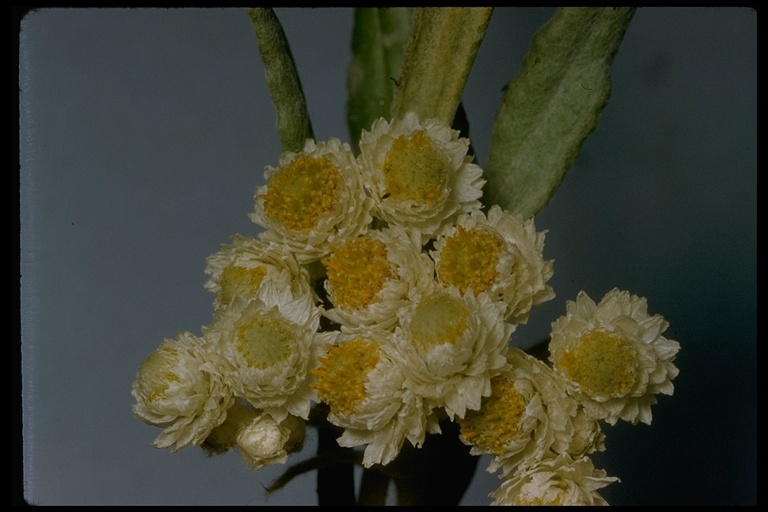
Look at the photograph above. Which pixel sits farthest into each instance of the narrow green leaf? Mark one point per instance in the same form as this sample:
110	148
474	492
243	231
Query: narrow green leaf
552	105
293	123
439	56
378	43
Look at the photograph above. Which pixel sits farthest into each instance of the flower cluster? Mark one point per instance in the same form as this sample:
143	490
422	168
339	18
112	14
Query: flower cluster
382	288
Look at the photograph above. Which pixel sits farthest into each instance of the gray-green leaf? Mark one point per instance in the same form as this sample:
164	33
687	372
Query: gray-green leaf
378	43
293	123
552	105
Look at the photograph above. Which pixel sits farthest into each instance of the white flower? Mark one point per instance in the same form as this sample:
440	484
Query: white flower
313	199
614	356
363	387
244	268
528	415
500	254
371	277
266	441
269	351
419	173
555	481
175	389
451	346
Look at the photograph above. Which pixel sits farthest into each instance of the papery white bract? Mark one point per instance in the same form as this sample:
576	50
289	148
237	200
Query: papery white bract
243	269
418	173
371	277
500	254
268	352
175	389
557	480
450	346
313	200
614	356
363	386
265	441
528	416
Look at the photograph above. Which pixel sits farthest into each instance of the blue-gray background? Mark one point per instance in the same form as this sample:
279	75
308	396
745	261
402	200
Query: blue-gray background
143	136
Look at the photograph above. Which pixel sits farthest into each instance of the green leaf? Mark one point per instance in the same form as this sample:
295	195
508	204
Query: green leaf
293	123
439	56
552	105
378	43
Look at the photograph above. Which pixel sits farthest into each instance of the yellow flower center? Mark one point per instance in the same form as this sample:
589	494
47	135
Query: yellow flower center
438	319
358	270
602	363
414	170
469	258
538	502
263	342
341	379
239	281
498	419
156	373
302	192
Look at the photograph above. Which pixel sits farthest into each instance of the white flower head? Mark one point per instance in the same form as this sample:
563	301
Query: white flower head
267	441
614	356
528	416
371	277
451	345
558	480
363	387
313	199
500	254
250	268
176	389
269	351
419	173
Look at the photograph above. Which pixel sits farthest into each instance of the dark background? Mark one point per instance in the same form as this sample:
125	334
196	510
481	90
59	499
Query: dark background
144	133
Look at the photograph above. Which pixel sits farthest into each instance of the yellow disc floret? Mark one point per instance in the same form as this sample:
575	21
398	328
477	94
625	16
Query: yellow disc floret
342	377
414	170
602	363
263	342
497	420
239	281
439	319
358	270
469	258
302	192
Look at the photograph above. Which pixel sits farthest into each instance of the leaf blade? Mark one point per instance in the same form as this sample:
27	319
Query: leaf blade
552	106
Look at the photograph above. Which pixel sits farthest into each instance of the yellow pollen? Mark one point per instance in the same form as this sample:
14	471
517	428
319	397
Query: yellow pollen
263	342
469	259
415	170
358	270
345	373
497	420
602	363
302	192
538	502
239	281
438	319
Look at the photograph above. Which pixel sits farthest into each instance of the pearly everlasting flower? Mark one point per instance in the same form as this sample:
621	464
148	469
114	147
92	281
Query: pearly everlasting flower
500	254
450	346
268	351
266	441
243	269
614	356
176	390
371	277
555	481
313	199
363	387
419	173
528	416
